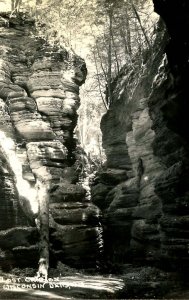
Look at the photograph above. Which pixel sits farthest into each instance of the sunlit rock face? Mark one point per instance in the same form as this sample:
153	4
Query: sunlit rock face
39	97
146	213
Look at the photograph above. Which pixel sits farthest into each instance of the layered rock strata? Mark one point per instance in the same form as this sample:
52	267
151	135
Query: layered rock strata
144	190
39	97
173	186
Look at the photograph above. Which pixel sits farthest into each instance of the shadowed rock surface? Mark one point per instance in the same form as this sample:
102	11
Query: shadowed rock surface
145	138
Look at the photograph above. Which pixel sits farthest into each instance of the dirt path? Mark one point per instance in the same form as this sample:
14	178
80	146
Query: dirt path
69	287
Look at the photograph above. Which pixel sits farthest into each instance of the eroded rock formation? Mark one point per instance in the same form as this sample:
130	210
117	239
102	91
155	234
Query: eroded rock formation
39	97
144	190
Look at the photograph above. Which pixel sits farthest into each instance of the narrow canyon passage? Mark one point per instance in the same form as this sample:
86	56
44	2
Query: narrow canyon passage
46	216
94	200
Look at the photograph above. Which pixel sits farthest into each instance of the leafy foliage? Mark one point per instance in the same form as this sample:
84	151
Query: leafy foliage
108	34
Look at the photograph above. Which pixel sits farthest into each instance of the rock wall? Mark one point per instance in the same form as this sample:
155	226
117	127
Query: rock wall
144	190
39	97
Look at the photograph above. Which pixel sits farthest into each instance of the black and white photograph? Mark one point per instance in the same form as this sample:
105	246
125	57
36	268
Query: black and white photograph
94	149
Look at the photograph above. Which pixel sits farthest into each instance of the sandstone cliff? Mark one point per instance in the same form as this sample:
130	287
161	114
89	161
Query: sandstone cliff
39	97
144	190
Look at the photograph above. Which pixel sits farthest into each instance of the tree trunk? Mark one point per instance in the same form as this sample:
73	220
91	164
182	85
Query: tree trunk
12	5
43	227
99	56
128	33
142	28
115	52
98	79
15	5
110	57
